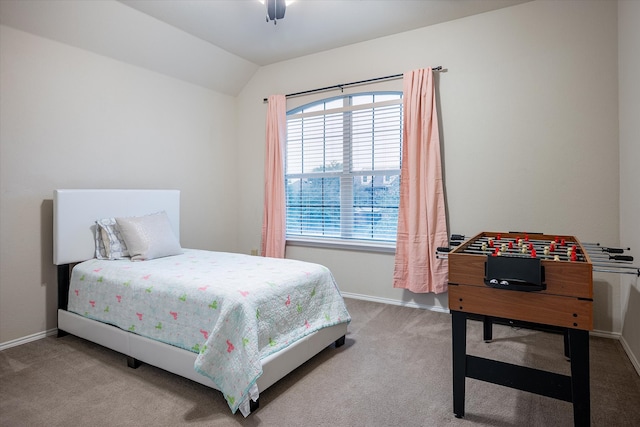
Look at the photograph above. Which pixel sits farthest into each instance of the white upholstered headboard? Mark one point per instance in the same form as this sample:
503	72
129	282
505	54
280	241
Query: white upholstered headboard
75	213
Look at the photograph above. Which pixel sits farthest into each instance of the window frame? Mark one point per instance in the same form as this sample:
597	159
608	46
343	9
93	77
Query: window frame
347	175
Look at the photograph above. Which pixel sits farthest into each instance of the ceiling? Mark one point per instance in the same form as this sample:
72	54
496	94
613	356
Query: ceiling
220	44
309	26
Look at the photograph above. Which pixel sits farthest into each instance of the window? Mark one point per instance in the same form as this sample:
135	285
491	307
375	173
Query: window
342	169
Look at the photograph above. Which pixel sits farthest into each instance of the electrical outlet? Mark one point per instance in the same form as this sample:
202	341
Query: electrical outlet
254	252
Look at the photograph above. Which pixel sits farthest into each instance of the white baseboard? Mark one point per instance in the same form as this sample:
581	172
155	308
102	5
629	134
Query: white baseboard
605	334
28	338
395	302
632	357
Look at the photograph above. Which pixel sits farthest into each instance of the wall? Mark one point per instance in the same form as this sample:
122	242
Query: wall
73	119
629	69
529	124
528	106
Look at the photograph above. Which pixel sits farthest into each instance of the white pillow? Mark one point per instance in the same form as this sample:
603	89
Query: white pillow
101	252
149	237
109	241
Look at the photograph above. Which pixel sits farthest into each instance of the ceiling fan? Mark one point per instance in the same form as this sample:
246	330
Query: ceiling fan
275	9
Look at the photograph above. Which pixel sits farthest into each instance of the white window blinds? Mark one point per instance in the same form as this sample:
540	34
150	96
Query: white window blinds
343	167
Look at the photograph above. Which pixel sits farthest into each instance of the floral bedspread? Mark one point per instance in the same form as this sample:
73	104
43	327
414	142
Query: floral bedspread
232	309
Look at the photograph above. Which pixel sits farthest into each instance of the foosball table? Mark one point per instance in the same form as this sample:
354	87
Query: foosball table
538	279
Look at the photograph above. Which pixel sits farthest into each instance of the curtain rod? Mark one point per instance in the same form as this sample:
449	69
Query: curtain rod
343	85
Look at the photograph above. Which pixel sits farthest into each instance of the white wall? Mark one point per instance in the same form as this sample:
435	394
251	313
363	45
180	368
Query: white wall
528	106
530	92
629	70
73	119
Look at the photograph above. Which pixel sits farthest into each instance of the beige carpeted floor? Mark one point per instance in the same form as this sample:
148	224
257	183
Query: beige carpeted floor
394	370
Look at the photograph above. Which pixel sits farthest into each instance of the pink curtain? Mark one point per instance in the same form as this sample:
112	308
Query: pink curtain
273	218
422	223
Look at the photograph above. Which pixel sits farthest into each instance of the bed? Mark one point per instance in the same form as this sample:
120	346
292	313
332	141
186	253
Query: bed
233	322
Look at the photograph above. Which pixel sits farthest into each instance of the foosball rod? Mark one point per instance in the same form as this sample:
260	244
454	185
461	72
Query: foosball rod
596	267
605	249
443	253
597	257
538	246
567	243
535	243
599	246
604	270
586	246
514	254
457	239
612	262
614	265
462	237
607	253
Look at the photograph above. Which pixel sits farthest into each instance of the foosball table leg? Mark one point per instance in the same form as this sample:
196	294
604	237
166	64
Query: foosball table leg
580	390
487	327
459	338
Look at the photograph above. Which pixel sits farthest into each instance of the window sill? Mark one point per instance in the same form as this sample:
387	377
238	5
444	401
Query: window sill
356	245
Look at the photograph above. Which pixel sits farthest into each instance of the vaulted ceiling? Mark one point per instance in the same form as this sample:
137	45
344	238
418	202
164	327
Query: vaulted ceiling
219	44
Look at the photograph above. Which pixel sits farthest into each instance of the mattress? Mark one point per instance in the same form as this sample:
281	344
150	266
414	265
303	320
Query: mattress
231	309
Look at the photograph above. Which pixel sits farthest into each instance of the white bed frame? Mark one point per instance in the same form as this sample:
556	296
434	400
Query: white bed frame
74	216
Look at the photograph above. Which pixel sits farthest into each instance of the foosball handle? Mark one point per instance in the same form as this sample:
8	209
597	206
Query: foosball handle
621	257
613	250
443	249
457	237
